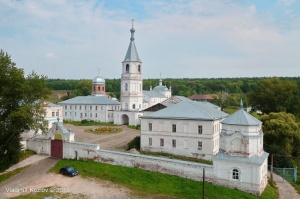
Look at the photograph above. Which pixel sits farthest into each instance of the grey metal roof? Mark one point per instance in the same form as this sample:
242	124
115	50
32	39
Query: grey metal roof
160	88
243	118
49	104
91	99
132	54
98	80
253	159
188	109
153	94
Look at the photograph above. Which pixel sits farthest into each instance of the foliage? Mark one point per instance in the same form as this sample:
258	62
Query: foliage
103	130
297	184
137	127
157	185
89	123
178	157
25	154
135	143
10	174
281	136
275	95
21	108
83	88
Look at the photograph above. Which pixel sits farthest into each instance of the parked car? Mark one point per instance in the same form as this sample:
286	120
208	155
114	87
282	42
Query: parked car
68	171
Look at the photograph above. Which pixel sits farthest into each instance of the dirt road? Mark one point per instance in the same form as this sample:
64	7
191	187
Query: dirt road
37	176
117	142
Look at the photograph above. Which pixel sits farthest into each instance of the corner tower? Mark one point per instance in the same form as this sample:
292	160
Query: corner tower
131	78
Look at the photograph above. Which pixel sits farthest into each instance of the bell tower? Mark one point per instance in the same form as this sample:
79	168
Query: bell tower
131	78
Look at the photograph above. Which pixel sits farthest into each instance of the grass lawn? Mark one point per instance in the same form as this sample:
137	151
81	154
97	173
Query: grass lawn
10	174
178	157
89	123
156	185
25	154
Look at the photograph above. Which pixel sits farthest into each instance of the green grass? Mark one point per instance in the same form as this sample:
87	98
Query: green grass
25	154
89	123
10	174
56	95
156	185
138	127
171	156
297	184
48	192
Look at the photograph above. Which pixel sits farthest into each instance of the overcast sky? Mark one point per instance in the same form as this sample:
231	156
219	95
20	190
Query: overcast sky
178	38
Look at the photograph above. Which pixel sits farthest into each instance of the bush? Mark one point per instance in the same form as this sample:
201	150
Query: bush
135	143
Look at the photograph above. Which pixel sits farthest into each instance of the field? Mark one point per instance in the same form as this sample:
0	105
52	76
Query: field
145	183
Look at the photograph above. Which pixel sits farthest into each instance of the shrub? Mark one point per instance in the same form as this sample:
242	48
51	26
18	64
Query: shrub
135	143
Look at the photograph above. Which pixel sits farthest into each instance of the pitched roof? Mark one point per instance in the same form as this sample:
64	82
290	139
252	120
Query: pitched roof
91	99
253	159
243	118
132	54
153	94
188	109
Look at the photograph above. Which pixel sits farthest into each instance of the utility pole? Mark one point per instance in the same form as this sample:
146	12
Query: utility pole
203	183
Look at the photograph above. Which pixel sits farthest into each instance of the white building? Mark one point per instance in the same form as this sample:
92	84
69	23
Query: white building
241	163
96	107
133	98
182	127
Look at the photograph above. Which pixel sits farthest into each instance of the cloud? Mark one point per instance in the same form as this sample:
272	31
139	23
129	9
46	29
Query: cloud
170	35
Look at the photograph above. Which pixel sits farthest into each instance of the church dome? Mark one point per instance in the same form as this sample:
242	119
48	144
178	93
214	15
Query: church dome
98	80
160	88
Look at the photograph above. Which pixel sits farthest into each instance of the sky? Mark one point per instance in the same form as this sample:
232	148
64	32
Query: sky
73	39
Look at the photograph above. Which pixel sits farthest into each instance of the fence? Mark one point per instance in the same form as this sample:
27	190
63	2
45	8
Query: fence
289	174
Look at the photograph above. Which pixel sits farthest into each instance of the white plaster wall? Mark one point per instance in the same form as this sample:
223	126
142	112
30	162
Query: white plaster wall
250	176
186	137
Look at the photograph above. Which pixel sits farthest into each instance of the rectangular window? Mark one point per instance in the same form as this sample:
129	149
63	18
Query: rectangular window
150	126
150	141
80	107
65	113
186	128
84	114
96	107
174	128
173	143
96	115
199	145
80	115
75	107
75	114
200	129
57	113
84	107
90	107
53	114
66	107
161	142
70	107
90	114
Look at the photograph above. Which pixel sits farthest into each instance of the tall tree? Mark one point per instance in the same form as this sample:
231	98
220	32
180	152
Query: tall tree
274	95
84	87
281	134
20	107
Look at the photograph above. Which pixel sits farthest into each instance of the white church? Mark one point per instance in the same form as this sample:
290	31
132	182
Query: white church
178	125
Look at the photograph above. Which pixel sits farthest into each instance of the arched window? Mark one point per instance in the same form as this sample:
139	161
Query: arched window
98	88
133	106
127	68
126	106
102	88
94	88
235	174
140	87
139	68
126	87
